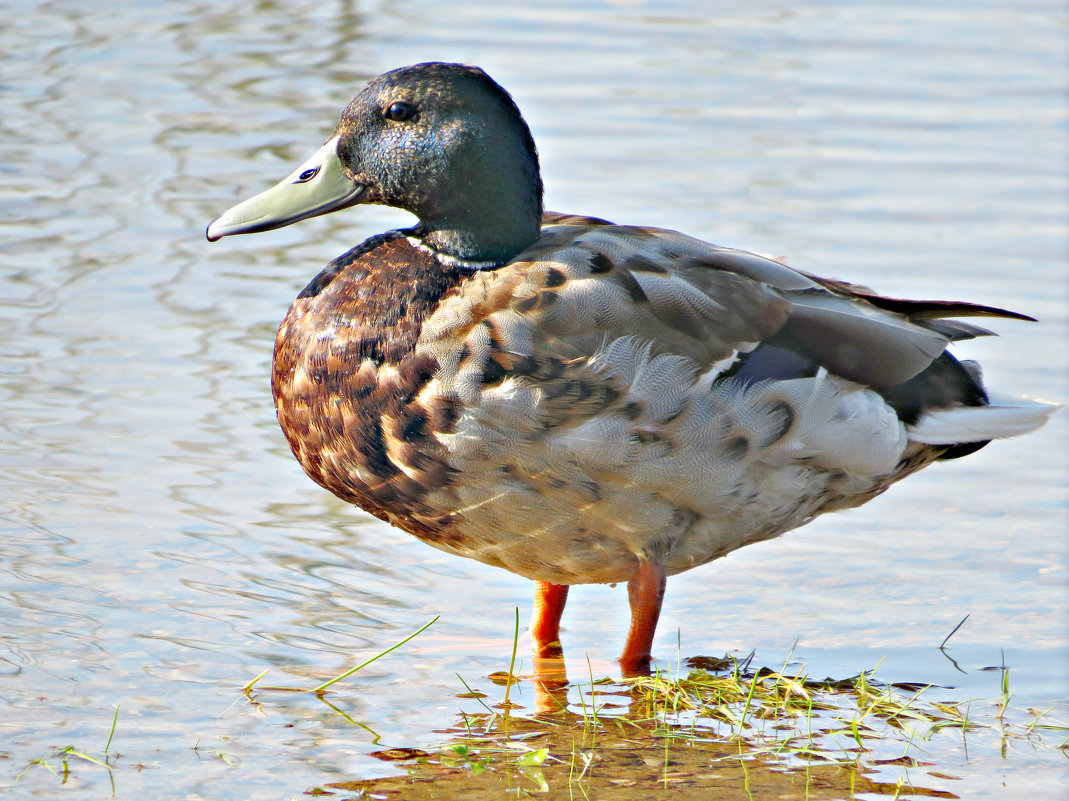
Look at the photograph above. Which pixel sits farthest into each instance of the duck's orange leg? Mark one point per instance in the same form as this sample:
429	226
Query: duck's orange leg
549	602
645	591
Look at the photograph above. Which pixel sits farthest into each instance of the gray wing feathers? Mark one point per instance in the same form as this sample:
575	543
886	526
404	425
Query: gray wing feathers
583	285
859	342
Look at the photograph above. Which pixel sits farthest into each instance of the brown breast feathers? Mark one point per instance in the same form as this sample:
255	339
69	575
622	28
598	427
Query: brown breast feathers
345	380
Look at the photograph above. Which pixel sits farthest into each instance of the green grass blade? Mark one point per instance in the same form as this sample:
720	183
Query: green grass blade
377	656
512	662
111	734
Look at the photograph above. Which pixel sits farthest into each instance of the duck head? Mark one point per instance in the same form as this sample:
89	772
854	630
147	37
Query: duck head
442	141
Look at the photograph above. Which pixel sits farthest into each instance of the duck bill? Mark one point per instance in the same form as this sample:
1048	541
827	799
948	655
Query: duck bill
318	186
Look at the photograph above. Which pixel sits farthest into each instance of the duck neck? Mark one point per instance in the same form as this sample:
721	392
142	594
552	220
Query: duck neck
490	212
465	247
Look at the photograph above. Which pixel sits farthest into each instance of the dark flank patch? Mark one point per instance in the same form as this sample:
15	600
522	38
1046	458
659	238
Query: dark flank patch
570	401
546	298
783	413
736	448
502	363
345	381
496	369
600	263
787	423
526	304
555	277
628	282
644	437
943	384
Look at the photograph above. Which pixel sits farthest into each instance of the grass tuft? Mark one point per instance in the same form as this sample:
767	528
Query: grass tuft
721	723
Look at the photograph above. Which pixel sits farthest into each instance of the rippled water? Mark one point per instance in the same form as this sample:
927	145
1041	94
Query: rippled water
160	546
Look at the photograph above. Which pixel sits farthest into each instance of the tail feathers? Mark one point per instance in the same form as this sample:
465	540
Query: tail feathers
1003	417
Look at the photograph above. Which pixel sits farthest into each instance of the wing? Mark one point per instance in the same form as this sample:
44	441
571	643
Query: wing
586	282
581	286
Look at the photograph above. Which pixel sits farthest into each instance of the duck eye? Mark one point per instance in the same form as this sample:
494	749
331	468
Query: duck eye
307	175
400	111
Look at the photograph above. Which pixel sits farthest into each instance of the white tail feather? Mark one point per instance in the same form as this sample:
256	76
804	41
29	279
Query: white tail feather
1004	417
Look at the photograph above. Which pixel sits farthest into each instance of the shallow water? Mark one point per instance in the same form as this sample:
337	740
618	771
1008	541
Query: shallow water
160	545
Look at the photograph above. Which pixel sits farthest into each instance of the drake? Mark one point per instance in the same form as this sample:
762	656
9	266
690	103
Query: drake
578	401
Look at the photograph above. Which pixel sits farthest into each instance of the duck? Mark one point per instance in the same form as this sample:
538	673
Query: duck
577	401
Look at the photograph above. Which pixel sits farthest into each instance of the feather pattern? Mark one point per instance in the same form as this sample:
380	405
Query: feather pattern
572	447
578	401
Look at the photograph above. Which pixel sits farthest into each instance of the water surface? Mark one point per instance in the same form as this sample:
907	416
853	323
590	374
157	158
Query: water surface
160	546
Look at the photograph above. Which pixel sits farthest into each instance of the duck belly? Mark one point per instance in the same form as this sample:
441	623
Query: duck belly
679	483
